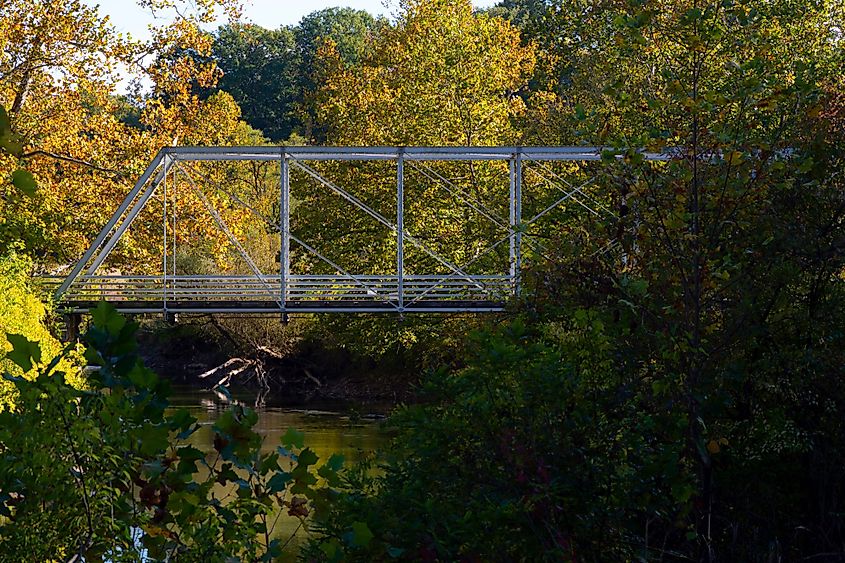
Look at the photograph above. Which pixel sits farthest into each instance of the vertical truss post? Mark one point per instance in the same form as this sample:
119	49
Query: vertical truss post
173	215
515	197
284	229
512	221
164	231
400	228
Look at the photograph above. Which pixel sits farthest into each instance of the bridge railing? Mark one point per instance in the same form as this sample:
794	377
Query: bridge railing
250	292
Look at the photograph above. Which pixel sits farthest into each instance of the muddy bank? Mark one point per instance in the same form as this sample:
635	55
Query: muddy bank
308	375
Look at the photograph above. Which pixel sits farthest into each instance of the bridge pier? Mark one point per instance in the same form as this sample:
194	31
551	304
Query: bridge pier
71	322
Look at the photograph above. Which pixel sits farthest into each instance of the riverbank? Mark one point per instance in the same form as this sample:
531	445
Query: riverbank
305	375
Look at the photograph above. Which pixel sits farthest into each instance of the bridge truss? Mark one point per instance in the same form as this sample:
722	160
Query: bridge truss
334	229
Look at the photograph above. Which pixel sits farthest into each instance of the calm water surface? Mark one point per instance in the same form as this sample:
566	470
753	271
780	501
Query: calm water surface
343	428
350	430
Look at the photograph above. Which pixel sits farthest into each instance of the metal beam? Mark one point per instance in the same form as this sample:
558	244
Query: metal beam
284	230
400	230
347	275
221	224
403	292
516	223
378	217
167	162
512	217
130	197
409	153
164	238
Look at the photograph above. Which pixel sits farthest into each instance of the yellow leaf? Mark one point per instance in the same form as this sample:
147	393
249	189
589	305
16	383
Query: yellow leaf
713	447
734	158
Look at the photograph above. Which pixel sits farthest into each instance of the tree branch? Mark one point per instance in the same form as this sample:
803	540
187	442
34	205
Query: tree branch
74	160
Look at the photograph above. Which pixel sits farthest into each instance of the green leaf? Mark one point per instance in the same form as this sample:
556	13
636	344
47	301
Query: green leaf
335	462
142	378
154	468
24	352
11	143
361	534
182	419
307	457
24	182
331	549
5	122
734	158
608	156
154	439
580	114
189	453
274	550
806	165
691	15
279	481
293	439
101	314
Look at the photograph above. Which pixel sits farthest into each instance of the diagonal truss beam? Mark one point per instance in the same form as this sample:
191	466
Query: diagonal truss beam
276	226
566	195
343	272
231	195
557	177
107	229
451	277
381	219
477	206
167	162
223	227
445	184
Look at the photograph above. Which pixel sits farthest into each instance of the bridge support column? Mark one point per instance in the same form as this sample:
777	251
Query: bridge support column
284	232
400	229
515	196
72	321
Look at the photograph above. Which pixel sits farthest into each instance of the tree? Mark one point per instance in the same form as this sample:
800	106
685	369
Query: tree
109	473
349	31
23	314
57	63
261	71
718	323
441	76
270	73
715	240
525	15
58	74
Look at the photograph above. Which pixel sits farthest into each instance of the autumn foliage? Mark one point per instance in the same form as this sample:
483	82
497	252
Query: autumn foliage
668	385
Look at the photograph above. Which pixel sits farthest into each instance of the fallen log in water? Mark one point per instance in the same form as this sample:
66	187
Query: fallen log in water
230	368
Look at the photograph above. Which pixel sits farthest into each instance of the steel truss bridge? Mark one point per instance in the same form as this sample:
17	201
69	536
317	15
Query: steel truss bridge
305	274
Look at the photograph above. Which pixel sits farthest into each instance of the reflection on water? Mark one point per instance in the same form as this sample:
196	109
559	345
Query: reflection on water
329	427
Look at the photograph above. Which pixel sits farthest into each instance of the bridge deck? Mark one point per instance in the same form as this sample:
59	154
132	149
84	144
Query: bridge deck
302	294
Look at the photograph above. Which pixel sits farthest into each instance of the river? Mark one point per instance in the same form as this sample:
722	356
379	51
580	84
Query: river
343	428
